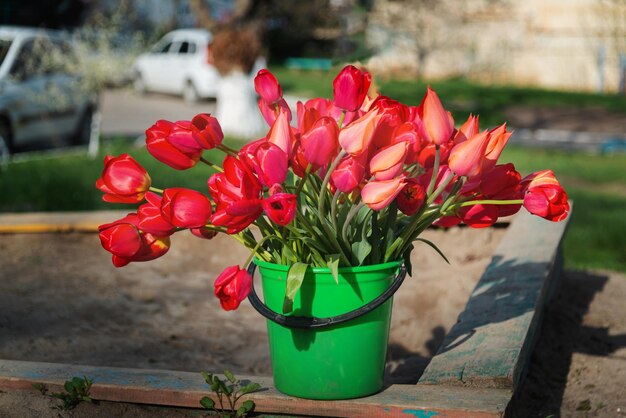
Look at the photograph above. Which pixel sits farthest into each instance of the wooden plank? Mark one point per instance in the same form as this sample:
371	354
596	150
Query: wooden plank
185	389
44	222
494	335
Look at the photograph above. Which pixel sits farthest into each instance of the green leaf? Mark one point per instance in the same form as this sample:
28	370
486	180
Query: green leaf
230	376
241	411
69	386
333	265
295	277
207	403
434	247
249	388
215	384
407	260
249	405
360	250
207	377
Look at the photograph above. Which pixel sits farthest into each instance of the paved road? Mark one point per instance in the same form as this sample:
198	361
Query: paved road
125	113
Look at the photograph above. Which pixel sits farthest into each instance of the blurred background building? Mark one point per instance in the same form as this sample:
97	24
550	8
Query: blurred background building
562	44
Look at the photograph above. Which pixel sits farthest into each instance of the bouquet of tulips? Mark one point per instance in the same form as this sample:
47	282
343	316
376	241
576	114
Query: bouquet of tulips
352	181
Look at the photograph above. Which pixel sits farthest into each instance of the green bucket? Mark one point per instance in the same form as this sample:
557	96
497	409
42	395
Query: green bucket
336	360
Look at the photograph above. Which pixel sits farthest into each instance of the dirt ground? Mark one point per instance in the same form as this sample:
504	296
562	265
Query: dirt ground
61	300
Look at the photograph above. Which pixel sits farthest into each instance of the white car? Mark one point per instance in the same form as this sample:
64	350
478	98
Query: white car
42	101
180	63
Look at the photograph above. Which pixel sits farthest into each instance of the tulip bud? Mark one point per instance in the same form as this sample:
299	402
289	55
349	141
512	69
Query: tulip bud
377	195
436	125
320	144
151	219
123	180
498	138
348	174
173	144
350	88
232	286
207	131
185	208
356	138
281	134
467	157
389	161
266	86
467	130
271	111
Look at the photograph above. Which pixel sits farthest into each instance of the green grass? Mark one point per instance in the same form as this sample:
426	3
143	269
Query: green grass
597	185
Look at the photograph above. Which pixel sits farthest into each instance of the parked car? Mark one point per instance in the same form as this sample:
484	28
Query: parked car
41	99
180	63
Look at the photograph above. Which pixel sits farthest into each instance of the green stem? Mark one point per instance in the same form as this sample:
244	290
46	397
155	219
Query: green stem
256	248
341	118
351	214
227	150
155	190
322	195
433	178
210	164
440	189
333	209
303	179
491	202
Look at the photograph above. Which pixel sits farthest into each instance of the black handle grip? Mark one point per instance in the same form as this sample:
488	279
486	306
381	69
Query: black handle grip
314	322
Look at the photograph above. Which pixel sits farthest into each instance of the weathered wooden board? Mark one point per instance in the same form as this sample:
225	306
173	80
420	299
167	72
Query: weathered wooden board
494	335
185	389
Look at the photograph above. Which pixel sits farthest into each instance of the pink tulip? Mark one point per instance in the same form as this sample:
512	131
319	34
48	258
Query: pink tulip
377	195
498	138
437	124
388	162
271	111
467	157
544	196
306	117
281	208
320	143
266	86
348	174
503	181
207	131
185	208
356	138
350	88
406	132
151	219
479	216
412	196
281	133
467	130
232	286
173	144
123	180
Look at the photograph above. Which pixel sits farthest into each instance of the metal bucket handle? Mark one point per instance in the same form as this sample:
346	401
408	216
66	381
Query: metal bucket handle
314	322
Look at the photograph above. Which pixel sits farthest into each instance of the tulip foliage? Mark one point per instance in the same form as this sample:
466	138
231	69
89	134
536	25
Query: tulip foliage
351	181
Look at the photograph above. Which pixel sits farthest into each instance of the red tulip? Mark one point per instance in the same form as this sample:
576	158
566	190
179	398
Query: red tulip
123	180
350	88
237	196
266	86
173	144
479	216
281	208
412	196
203	232
232	286
388	162
356	138
207	131
377	195
466	158
127	243
185	208
437	124
544	196
268	160
151	219
406	132
320	143
348	174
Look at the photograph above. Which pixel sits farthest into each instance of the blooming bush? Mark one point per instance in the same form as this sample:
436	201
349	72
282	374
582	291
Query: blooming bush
352	181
